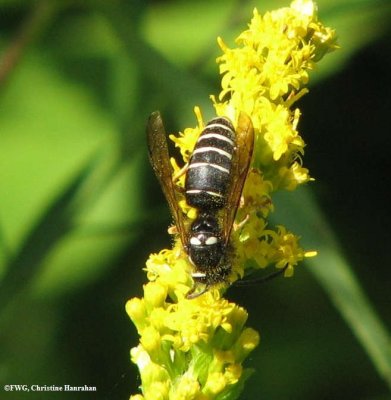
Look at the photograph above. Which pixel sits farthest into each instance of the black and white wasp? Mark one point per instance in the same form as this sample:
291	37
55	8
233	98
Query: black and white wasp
214	180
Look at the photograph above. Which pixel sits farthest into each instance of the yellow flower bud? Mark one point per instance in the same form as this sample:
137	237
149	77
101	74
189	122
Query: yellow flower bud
151	340
154	294
135	308
187	387
215	384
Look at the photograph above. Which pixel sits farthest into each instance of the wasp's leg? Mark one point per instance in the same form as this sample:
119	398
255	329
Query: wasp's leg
240	224
180	173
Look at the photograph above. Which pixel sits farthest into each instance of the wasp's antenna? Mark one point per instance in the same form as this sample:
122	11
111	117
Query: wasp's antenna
261	279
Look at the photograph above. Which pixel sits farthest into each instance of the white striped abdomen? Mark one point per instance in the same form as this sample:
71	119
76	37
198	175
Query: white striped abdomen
209	171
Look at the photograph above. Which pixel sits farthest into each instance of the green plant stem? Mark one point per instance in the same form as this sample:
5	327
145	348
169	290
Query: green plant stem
30	28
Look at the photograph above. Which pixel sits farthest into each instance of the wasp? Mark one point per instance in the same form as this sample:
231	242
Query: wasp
214	180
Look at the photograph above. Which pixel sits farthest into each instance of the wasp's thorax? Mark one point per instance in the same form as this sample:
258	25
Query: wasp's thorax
206	244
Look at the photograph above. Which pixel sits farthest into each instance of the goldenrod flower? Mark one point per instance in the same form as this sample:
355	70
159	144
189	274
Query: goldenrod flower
194	349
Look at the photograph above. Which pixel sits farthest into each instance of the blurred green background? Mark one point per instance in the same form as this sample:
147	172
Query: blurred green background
80	209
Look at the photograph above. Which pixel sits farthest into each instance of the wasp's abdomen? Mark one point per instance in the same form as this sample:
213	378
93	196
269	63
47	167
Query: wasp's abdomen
209	171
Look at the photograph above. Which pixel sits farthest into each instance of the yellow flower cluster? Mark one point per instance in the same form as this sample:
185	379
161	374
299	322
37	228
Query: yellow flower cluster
189	349
194	349
264	76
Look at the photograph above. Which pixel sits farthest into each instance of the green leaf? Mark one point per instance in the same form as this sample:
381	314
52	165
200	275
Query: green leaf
54	224
48	195
301	213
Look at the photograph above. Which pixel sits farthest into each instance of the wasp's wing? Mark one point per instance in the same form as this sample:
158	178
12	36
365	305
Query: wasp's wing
160	161
241	164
